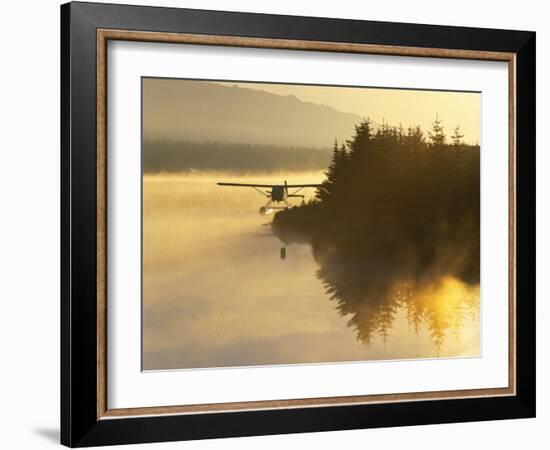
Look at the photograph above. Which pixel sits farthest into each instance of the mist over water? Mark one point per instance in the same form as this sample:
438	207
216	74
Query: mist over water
216	292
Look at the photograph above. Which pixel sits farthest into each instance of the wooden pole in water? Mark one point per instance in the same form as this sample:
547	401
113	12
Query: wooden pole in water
283	253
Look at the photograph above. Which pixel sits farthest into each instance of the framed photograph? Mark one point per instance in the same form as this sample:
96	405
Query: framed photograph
277	224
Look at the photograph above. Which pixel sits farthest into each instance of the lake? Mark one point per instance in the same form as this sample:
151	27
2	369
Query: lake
216	292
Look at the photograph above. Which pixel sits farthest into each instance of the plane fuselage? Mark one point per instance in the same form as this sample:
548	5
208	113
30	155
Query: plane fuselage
278	193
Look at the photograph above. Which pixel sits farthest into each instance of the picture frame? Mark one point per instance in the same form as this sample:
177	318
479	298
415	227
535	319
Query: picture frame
86	30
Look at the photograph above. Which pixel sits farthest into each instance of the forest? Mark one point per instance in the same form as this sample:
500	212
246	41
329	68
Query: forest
171	156
398	209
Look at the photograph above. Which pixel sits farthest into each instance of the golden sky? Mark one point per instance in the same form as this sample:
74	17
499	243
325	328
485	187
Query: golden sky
394	106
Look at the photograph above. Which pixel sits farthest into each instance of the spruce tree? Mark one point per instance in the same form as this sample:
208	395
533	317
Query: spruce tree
363	134
326	190
437	135
457	137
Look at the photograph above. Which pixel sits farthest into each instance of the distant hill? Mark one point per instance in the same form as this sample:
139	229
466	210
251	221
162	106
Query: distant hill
200	111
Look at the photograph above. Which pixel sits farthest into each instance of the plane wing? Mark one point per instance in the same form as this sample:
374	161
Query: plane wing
269	185
247	185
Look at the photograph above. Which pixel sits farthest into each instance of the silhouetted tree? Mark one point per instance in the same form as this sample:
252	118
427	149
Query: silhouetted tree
336	167
361	138
415	138
457	136
437	134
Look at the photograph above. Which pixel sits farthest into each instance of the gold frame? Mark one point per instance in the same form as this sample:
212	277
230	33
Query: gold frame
103	36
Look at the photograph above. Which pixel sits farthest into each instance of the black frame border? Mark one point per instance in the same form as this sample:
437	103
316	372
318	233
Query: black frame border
79	423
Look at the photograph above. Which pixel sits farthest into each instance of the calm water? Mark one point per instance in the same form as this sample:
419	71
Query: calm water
217	293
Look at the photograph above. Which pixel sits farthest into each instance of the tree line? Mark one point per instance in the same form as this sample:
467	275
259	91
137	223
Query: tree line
169	156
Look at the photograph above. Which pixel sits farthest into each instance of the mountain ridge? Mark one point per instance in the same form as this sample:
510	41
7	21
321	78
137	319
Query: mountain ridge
203	111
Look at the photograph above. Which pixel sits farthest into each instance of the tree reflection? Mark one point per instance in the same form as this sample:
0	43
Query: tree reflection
441	306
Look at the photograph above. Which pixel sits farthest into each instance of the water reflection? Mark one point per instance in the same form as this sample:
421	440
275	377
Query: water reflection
443	308
442	305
